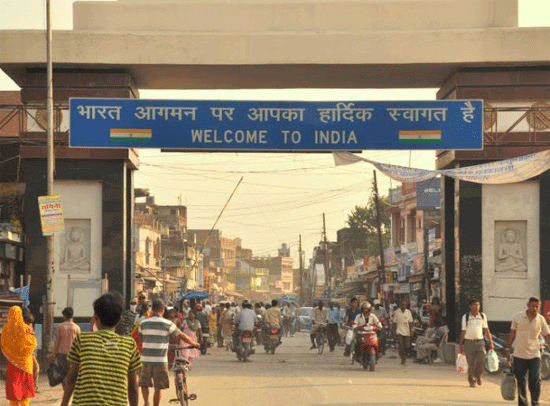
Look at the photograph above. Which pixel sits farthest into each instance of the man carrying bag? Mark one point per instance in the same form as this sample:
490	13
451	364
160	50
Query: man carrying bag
526	328
474	326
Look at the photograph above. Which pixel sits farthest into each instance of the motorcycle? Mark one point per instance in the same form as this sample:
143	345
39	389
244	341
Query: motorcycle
271	340
368	348
245	346
204	340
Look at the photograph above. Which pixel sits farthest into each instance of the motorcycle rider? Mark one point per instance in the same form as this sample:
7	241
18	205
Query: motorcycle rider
273	317
319	317
365	317
244	321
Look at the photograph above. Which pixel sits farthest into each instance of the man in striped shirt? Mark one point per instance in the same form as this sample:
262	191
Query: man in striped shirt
155	334
103	366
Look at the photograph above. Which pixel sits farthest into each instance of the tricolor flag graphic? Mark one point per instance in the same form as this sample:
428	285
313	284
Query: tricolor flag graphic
130	134
420	137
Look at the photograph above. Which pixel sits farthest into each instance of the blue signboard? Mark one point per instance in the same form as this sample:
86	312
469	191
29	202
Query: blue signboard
275	125
428	194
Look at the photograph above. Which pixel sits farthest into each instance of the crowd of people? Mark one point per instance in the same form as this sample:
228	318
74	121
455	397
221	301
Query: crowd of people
129	349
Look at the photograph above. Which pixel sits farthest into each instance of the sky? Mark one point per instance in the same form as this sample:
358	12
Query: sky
281	196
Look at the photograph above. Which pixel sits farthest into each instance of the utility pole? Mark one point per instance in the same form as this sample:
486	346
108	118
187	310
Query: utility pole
301	273
327	263
426	255
382	275
50	165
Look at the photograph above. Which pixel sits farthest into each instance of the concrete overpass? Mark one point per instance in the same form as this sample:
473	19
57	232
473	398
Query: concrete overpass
209	44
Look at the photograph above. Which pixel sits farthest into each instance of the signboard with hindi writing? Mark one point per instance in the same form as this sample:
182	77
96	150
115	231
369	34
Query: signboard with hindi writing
214	125
51	214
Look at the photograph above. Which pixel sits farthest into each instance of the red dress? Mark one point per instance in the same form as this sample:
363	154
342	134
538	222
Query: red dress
19	384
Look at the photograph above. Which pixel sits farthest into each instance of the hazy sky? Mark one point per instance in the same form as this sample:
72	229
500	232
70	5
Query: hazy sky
282	195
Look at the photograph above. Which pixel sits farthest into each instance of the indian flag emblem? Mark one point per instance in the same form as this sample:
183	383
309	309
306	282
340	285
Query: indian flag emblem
130	134
420	137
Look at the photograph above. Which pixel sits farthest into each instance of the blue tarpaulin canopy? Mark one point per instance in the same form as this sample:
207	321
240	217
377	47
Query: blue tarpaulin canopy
195	294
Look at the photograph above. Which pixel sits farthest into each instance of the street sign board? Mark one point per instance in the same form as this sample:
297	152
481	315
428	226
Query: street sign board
214	125
51	214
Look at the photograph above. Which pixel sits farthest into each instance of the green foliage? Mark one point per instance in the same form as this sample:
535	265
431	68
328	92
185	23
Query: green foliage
363	233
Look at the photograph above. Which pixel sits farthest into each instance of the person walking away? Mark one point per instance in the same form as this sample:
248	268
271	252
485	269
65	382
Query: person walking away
319	317
103	365
472	344
402	330
349	319
64	337
18	345
333	322
526	328
274	318
155	334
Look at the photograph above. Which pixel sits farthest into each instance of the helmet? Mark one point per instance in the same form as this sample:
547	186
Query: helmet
366	305
198	307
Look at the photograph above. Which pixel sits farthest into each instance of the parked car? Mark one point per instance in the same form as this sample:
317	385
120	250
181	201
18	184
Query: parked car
304	318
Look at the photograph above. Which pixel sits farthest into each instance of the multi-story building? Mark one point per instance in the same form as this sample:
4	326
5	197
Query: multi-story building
413	260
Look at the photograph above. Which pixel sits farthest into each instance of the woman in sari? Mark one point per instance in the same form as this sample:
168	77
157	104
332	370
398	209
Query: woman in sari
192	327
18	345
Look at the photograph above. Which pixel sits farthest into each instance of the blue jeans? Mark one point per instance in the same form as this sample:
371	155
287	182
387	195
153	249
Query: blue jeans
521	367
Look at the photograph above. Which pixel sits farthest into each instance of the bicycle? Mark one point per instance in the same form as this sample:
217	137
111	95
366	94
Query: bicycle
180	367
320	337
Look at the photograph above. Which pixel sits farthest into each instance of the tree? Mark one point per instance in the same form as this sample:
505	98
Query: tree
363	227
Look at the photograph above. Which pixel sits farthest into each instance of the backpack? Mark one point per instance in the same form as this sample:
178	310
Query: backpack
483	317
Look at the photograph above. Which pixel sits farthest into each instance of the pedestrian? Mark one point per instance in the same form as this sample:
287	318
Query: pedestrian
18	345
333	323
155	333
402	330
526	328
227	325
126	324
64	337
474	326
103	365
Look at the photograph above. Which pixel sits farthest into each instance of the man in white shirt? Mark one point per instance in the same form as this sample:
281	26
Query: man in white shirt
474	326
526	328
402	329
319	319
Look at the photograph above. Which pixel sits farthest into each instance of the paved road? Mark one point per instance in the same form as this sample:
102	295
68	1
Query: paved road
297	376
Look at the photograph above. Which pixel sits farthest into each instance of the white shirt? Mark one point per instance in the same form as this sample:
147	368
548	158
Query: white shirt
526	344
402	320
246	319
360	320
474	329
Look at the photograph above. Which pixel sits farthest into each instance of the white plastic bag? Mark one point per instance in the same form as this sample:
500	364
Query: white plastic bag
349	336
491	360
461	363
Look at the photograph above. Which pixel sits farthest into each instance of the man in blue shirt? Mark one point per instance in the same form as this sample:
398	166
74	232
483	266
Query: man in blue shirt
349	319
332	325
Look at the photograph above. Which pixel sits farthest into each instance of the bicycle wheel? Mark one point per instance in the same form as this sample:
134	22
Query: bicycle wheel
320	342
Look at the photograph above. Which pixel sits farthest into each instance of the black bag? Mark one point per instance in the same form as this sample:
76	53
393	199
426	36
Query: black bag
508	386
55	376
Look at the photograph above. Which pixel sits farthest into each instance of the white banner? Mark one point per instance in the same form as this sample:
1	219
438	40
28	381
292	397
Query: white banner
507	171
